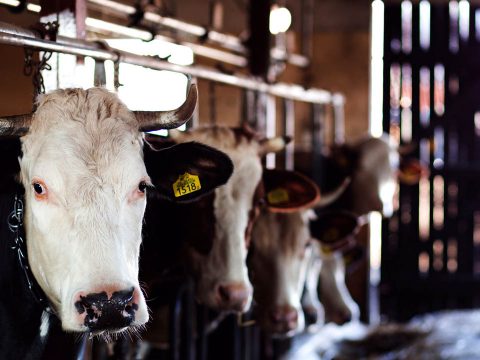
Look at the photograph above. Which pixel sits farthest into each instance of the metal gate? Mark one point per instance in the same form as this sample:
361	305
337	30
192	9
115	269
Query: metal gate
431	246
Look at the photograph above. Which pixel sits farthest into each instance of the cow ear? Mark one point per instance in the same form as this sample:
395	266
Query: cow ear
187	171
411	171
335	230
273	145
288	191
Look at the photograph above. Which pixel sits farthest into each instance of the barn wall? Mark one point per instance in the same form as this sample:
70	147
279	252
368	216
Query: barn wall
16	90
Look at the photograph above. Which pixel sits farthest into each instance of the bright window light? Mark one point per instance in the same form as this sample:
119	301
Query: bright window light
177	54
147	89
375	247
280	19
376	69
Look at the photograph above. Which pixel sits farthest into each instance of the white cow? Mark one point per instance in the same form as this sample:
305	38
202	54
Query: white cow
85	182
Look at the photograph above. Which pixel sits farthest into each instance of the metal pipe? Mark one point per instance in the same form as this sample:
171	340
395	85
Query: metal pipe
289	127
110	29
16	36
338	130
98	26
227	41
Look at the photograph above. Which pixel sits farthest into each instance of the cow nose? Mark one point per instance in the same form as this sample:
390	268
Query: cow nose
234	296
103	312
284	319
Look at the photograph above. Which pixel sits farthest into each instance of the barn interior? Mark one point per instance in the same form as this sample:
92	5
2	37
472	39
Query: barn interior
377	97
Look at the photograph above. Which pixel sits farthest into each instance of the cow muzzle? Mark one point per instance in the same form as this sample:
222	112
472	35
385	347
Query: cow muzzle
107	310
233	297
283	321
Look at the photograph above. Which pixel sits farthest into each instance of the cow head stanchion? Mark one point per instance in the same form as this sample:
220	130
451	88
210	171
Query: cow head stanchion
83	170
281	249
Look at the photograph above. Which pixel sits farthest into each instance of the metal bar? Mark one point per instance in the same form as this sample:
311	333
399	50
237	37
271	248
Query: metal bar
227	41
338	119
16	36
318	119
110	29
270	127
289	126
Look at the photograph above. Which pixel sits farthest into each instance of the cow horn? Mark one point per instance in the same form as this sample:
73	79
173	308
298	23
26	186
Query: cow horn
329	198
156	120
15	125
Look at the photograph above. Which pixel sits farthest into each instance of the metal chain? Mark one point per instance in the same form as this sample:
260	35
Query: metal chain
34	67
15	224
116	73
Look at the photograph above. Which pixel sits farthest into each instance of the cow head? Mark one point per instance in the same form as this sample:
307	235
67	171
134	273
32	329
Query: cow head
281	249
85	182
219	266
374	165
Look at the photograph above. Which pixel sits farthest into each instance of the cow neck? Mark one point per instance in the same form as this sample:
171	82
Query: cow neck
15	225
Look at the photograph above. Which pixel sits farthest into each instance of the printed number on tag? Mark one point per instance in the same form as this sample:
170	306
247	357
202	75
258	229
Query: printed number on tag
277	196
186	184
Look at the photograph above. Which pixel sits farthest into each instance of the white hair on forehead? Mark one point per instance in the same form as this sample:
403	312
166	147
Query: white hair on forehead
89	129
283	233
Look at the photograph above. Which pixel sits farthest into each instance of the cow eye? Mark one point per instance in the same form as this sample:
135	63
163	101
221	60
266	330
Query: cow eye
38	188
142	187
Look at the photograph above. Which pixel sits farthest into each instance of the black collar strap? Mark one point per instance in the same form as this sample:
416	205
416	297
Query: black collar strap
15	224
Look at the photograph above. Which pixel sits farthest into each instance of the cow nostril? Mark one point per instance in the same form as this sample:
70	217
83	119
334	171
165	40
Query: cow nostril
103	312
224	292
284	314
123	297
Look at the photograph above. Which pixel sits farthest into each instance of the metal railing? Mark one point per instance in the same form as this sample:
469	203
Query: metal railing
17	36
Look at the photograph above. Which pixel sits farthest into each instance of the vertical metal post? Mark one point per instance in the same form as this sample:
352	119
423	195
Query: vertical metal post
318	119
289	130
71	15
260	113
338	131
249	112
259	41
270	126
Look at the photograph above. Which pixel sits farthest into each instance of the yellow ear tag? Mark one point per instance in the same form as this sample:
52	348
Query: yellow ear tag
186	184
277	196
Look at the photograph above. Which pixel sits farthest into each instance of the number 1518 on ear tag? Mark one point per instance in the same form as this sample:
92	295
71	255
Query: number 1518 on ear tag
186	184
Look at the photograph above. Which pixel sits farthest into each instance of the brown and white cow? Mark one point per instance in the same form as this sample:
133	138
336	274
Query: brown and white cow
374	166
217	228
85	183
282	252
